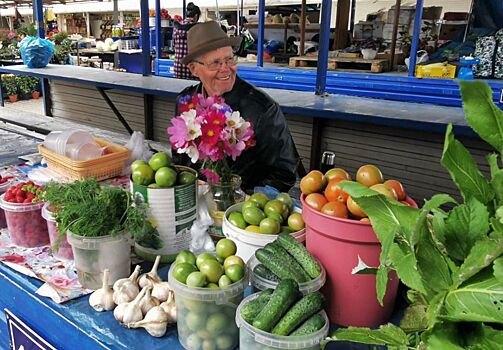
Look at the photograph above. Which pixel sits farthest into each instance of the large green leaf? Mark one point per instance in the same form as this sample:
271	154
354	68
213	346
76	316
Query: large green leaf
444	336
498	269
435	309
483	253
437	201
405	264
485	118
485	338
497	185
388	334
463	170
466	224
478	300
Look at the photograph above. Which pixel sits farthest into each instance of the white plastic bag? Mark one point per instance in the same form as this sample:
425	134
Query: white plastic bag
137	148
201	240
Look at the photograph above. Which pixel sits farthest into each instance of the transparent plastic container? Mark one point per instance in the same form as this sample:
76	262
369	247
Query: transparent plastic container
83	151
27	227
94	254
57	141
259	283
3	188
251	338
206	316
248	242
64	250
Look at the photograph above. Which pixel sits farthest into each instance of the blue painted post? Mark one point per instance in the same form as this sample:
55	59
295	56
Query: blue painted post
158	34
415	37
145	38
321	74
260	41
39	18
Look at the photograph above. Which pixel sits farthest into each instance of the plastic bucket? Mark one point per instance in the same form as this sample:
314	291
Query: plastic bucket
94	254
248	242
3	188
251	338
205	316
64	249
172	211
337	244
27	227
259	283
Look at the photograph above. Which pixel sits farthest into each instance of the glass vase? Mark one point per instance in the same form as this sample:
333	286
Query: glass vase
219	198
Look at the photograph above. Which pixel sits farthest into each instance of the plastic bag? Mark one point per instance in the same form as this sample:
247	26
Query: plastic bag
201	240
36	52
137	148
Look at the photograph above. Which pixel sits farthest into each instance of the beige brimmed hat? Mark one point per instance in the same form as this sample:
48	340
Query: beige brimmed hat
206	37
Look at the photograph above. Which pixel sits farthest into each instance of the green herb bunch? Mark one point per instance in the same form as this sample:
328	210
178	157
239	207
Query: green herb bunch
87	209
449	254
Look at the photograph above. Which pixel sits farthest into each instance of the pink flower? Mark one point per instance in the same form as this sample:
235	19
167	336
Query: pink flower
61	281
11	35
211	176
13	258
178	132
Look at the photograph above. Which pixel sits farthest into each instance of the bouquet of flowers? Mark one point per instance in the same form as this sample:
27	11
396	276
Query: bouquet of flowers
208	130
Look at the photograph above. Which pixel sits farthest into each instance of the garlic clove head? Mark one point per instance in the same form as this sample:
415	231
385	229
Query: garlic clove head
161	291
131	279
126	293
102	299
154	276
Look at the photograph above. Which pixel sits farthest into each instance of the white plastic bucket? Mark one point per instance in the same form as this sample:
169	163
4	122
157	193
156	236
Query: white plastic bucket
259	283
94	254
172	211
248	242
206	315
251	338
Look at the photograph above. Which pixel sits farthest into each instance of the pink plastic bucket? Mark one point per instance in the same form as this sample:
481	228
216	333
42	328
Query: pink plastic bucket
337	243
64	250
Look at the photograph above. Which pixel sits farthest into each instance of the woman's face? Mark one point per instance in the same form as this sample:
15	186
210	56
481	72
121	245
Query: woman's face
215	82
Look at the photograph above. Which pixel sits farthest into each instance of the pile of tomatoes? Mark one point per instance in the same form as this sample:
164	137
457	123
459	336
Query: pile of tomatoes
24	192
323	193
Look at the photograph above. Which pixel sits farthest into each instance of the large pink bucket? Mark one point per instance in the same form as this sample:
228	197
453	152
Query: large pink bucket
337	243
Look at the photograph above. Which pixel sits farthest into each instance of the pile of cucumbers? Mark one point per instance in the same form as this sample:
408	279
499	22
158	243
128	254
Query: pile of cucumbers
285	258
285	311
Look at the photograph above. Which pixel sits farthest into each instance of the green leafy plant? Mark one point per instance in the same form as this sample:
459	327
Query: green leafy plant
28	30
88	209
62	48
34	84
9	84
23	84
451	260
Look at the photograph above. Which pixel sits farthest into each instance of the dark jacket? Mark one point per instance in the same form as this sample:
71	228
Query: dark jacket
273	160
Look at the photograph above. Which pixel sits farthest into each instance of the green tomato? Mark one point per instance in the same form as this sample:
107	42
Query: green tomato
212	286
209	344
249	204
165	177
224	342
203	257
276	216
216	323
269	226
212	270
285	198
296	222
236	218
182	270
159	160
143	175
253	216
196	279
193	341
195	321
225	247
232	260
137	163
185	178
253	228
186	256
224	281
259	199
274	206
235	272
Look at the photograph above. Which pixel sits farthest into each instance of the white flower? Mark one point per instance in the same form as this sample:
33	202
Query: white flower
234	119
193	127
191	151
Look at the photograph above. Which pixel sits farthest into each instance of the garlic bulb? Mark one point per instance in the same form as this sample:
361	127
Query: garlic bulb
169	306
126	293
155	322
130	312
102	299
133	279
148	301
148	278
161	290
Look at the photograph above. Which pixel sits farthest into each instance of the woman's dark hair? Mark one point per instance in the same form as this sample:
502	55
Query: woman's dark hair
192	10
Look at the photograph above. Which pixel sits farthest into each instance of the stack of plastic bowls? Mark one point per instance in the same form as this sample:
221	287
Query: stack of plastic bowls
74	144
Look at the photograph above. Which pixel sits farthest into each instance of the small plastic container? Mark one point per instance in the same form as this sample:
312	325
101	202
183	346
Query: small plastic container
83	151
57	141
27	228
64	249
206	316
94	254
248	242
251	338
259	283
3	188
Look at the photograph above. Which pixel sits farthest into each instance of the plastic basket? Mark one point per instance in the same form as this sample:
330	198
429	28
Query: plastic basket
436	70
101	168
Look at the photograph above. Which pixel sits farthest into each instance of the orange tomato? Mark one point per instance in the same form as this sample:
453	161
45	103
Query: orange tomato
314	181
333	192
387	191
336	209
365	220
369	175
316	201
398	187
355	208
337	172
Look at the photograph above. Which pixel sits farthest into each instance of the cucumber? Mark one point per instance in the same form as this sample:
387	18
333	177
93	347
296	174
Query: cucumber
300	253
301	311
262	271
281	253
251	309
311	325
285	294
277	266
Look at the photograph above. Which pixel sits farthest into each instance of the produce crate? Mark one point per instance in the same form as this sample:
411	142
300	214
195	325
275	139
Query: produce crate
109	165
342	64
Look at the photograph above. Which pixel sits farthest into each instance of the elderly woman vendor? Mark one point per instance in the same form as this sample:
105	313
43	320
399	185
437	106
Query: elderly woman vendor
273	160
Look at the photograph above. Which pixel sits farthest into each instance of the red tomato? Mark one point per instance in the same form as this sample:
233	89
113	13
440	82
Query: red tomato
333	192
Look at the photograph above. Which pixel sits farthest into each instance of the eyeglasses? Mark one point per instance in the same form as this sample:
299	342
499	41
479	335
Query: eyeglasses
215	65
